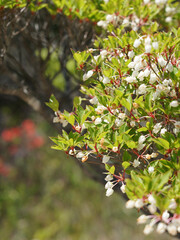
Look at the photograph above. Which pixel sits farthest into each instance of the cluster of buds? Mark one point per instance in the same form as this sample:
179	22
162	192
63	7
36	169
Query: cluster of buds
162	224
108	19
59	118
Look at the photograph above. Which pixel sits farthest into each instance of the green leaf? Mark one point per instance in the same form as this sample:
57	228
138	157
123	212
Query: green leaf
148	101
77	101
65	135
154	27
162	142
110	169
85	116
53	103
69	117
126	156
136	178
126	104
163	179
131	144
125	165
143	129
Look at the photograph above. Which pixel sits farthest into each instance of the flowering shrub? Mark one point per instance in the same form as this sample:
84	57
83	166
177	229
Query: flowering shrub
131	119
131	122
132	14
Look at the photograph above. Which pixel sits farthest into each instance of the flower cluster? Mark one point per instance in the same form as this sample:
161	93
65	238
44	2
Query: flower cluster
109	19
133	117
25	133
131	122
135	21
164	222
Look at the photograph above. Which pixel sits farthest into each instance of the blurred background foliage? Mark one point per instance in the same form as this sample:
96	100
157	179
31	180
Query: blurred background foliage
44	195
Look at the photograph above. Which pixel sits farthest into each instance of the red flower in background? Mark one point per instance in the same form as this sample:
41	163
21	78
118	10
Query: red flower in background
4	169
28	127
10	134
26	135
36	142
13	149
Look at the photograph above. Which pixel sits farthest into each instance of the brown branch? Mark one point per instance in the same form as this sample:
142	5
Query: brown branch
30	100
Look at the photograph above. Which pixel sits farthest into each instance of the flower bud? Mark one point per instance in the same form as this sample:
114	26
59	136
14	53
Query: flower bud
148	156
80	155
141	139
115	149
109	192
142	89
94	100
148	48
161	228
153	78
109	18
102	24
139	203
133	123
154	155
87	75
105	159
151	169
142	219
106	80
136	163
125	21
152	208
155	45
131	64
78	128
147	40
174	104
151	199
136	105
56	120
103	54
163	131
173	204
131	79
171	228
169	67
98	121
137	42
165	216
157	127
130	204
108	185
168	19
123	188
146	1
170	10
109	177
122	115
161	61
148	229
131	54
84	159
